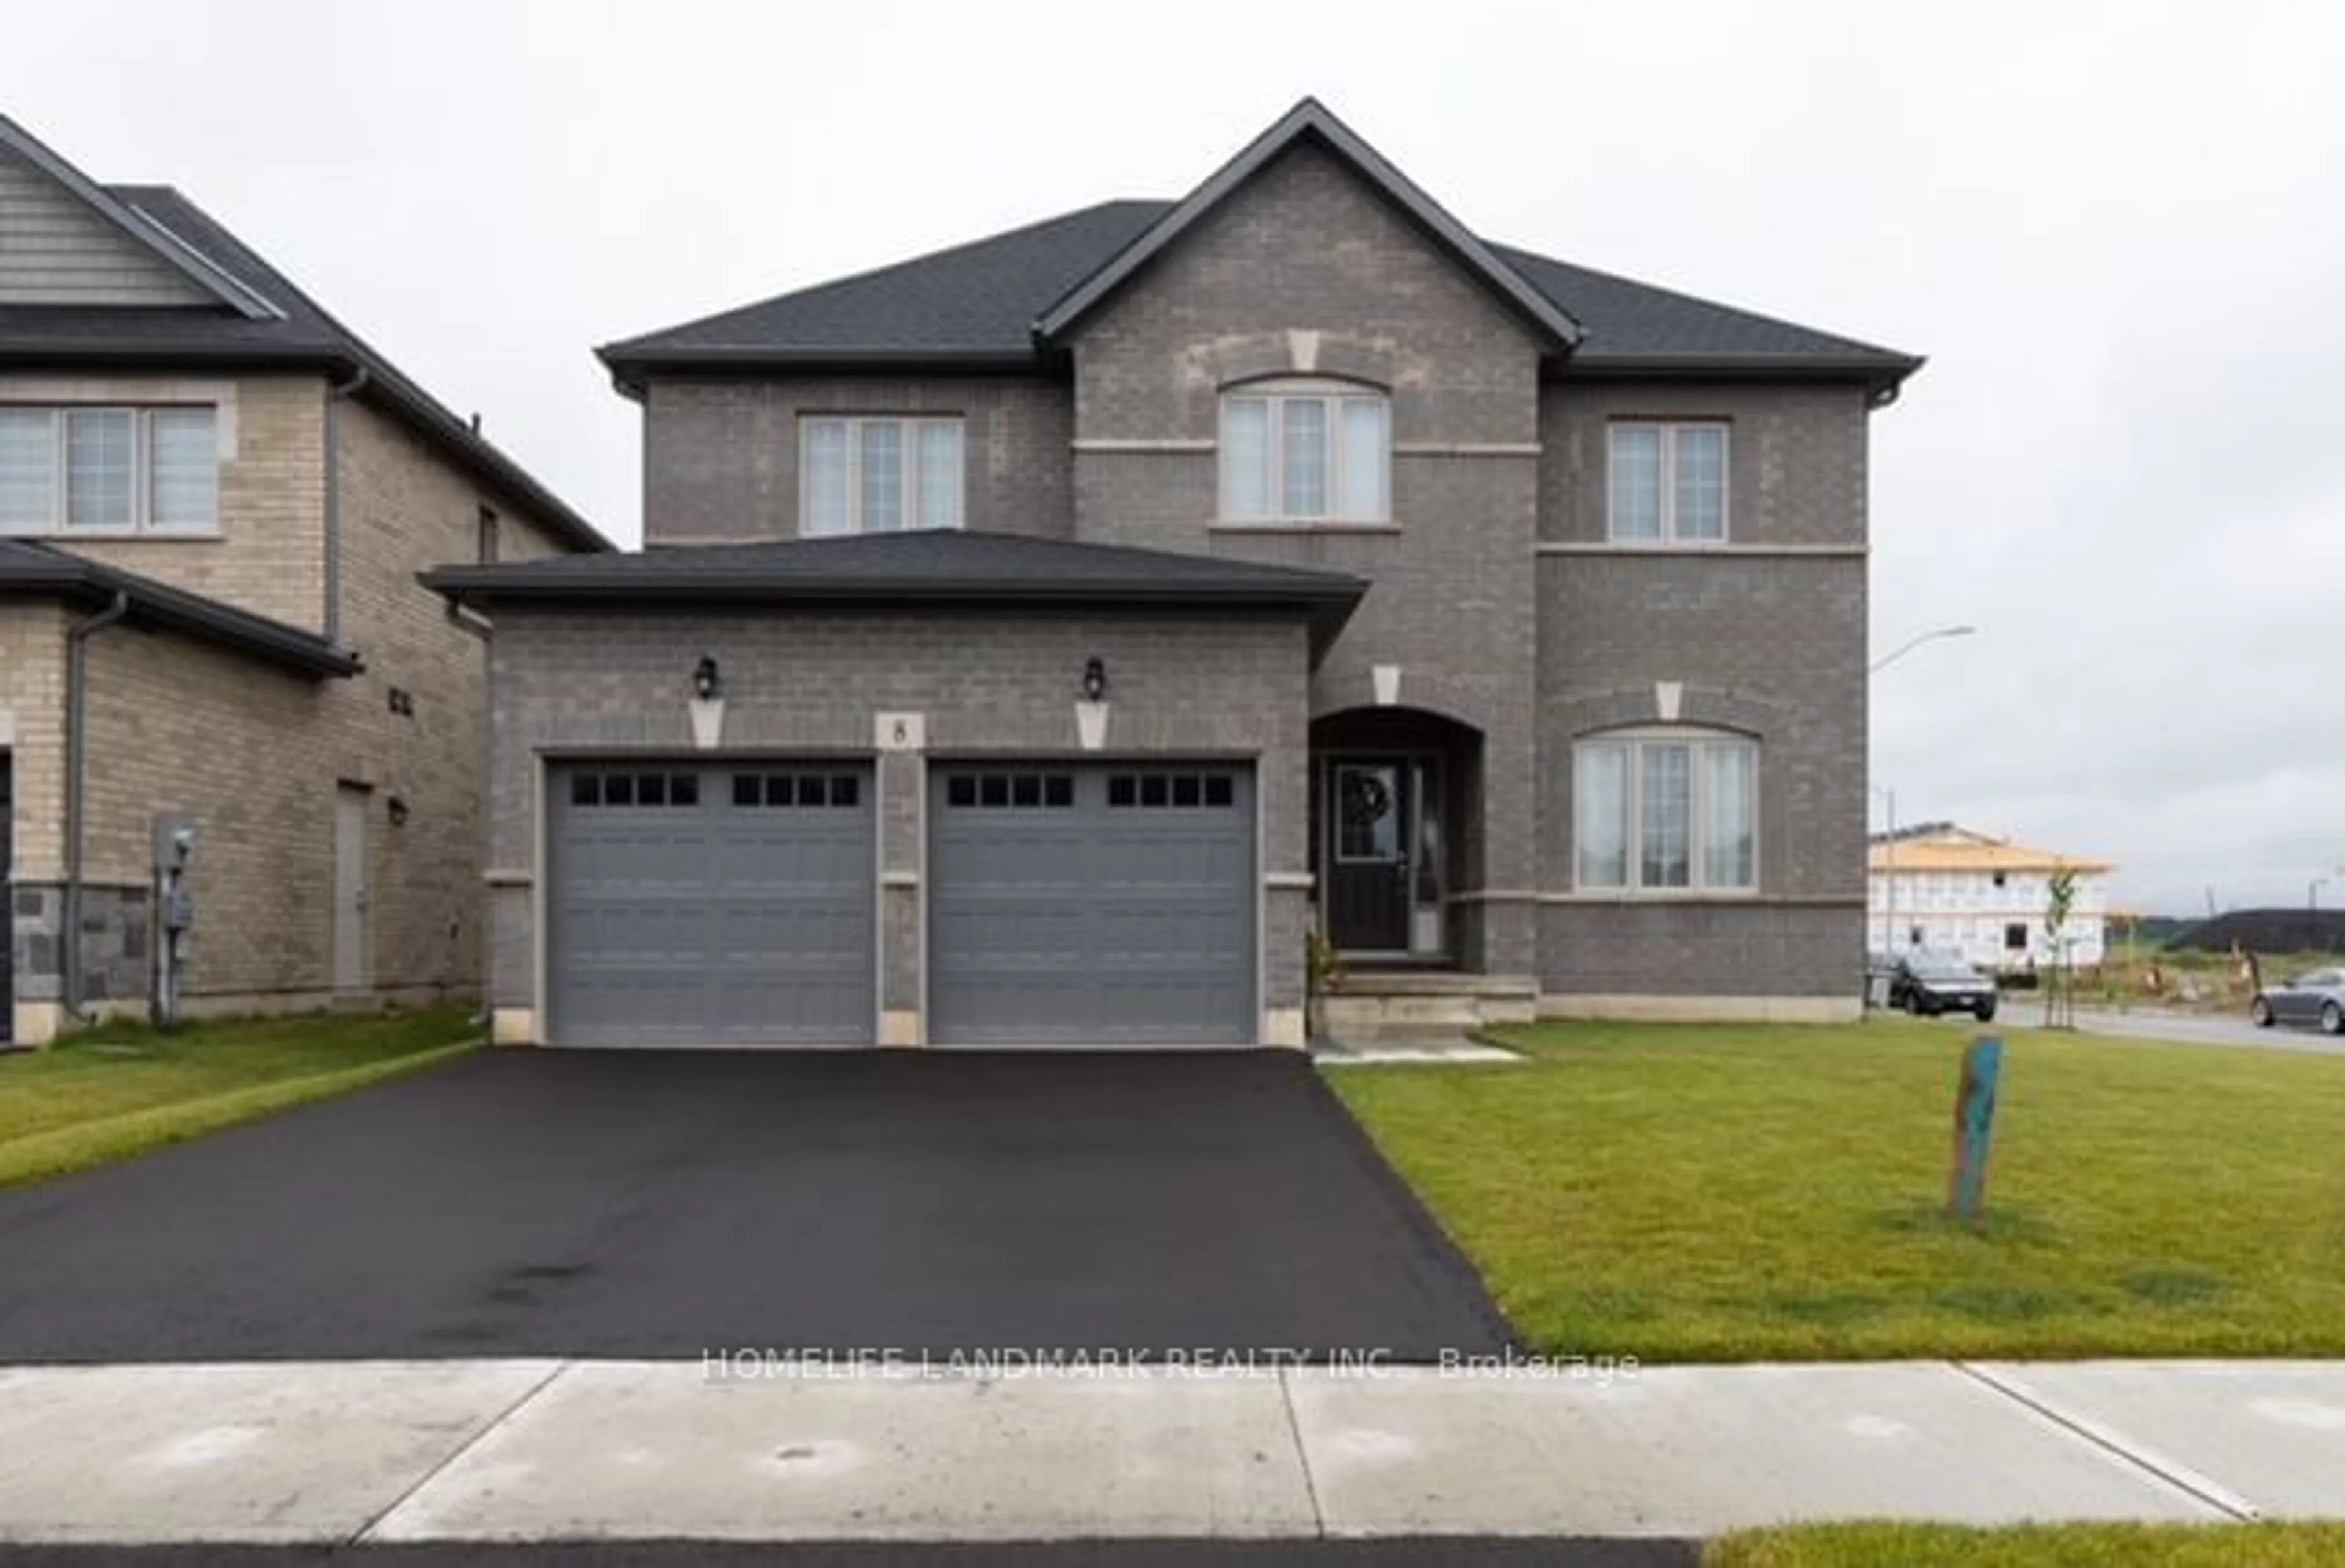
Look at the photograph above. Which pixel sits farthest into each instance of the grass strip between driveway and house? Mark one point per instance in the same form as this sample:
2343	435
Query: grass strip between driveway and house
2259	1545
1724	1193
120	1090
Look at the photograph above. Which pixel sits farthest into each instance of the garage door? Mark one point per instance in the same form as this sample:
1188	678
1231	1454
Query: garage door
692	905
1091	904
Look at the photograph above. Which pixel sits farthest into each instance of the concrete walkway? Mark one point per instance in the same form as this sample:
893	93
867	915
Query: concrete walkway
748	1450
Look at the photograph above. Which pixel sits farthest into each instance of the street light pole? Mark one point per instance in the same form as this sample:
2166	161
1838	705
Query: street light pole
1913	642
1888	901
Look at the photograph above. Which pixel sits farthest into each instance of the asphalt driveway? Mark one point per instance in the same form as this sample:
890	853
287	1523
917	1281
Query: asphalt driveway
668	1205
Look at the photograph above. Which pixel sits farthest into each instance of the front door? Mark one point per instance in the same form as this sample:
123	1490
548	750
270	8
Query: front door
352	940
1370	828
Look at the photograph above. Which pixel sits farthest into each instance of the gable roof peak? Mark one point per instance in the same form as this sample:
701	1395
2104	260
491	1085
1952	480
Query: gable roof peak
1315	120
138	225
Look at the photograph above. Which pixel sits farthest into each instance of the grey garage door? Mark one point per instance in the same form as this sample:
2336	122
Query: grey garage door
1091	904
699	905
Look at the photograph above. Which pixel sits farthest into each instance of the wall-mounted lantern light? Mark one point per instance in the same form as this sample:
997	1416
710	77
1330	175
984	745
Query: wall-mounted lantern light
706	707
1091	708
396	808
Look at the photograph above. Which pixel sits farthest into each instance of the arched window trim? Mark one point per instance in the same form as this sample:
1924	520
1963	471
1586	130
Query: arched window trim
1324	381
1306	450
1666	810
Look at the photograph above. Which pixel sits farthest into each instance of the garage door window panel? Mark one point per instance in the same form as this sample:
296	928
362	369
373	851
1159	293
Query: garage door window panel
783	790
1009	790
1171	791
632	788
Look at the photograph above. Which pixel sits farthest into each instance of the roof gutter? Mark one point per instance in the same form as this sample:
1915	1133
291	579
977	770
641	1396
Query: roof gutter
631	370
336	393
77	638
1881	377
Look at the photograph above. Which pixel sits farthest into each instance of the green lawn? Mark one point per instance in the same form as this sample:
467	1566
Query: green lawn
1721	1193
2044	1546
115	1091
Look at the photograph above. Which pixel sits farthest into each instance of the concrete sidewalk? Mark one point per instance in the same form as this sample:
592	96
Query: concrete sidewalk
538	1450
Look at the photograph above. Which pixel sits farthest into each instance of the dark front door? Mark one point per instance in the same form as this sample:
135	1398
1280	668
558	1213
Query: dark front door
1371	832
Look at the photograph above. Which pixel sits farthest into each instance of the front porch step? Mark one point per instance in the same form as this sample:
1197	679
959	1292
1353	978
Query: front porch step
1377	1006
1435	983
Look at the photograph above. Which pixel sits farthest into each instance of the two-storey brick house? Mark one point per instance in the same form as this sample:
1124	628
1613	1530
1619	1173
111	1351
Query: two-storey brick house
1037	638
214	500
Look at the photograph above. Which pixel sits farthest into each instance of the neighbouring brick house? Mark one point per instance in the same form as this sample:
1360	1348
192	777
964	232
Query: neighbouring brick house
1035	639
214	500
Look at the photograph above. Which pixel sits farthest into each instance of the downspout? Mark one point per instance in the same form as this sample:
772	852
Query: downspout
77	638
335	394
476	624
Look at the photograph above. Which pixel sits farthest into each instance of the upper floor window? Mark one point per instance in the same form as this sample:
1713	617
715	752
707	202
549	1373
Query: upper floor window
103	469
1668	810
877	475
1294	453
1668	483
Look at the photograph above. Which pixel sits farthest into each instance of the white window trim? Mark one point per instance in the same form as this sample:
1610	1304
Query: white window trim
909	461
142	524
1667	538
1275	394
1696	844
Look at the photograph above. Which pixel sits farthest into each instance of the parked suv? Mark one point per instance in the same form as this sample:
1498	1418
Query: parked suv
1928	984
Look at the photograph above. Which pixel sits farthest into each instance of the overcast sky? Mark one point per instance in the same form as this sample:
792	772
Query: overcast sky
2118	231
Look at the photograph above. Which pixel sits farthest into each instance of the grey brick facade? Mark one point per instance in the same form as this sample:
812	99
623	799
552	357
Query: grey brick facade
721	457
1307	272
812	684
1517	628
1765	637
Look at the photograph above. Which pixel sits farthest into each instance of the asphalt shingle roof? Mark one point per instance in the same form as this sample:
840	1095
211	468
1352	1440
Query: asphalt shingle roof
31	569
977	299
921	567
980	302
1632	324
309	330
301	333
913	560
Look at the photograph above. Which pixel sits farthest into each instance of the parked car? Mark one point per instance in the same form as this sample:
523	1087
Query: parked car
1928	984
2318	997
